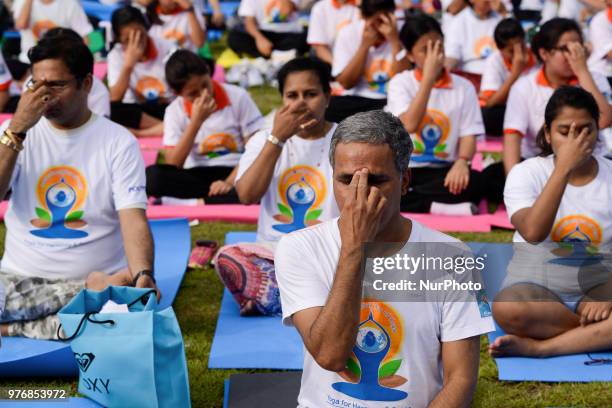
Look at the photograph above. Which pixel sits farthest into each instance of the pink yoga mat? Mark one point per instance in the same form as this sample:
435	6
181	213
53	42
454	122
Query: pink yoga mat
490	145
149	156
151	143
5	116
100	69
500	218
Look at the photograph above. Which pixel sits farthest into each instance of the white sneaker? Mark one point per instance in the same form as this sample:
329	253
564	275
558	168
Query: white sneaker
453	209
237	71
254	77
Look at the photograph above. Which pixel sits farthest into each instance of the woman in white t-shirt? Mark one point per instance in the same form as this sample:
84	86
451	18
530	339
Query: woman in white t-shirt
327	18
469	38
136	63
205	130
558	46
367	54
268	25
34	17
441	112
177	21
600	37
560	201
288	171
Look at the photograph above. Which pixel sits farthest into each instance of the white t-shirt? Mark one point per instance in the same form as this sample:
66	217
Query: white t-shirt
300	192
175	28
306	263
526	105
148	79
67	187
600	35
267	14
470	40
220	140
327	18
43	17
379	63
98	100
496	72
453	111
577	218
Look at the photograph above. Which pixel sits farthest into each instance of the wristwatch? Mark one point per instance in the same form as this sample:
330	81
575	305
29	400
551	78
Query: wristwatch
146	272
275	141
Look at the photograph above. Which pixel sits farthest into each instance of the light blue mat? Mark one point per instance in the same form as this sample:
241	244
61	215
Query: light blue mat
68	403
569	368
21	357
254	341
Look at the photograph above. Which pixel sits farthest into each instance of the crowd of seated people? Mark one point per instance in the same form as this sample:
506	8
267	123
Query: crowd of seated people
422	81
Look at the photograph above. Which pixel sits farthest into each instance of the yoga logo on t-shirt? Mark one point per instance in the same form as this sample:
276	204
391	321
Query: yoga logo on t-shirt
176	36
274	13
150	89
217	144
577	228
371	372
483	47
429	140
302	190
378	74
61	192
41	27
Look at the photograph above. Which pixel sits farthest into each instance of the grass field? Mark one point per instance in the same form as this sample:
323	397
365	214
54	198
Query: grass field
197	307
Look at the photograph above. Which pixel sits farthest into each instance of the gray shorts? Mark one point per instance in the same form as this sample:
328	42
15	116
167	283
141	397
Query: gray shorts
31	304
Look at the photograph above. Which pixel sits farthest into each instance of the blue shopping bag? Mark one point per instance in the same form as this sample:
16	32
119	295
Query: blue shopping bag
134	359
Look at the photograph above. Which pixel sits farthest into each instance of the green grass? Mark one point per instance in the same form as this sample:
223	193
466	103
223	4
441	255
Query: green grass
197	307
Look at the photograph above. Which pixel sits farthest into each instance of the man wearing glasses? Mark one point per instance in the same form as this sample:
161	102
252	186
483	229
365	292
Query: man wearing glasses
77	186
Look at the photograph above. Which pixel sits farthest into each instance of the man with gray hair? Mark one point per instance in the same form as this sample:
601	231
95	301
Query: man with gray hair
361	352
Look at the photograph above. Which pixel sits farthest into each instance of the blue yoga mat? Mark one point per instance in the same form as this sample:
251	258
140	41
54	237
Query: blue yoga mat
21	357
254	341
69	403
98	10
569	368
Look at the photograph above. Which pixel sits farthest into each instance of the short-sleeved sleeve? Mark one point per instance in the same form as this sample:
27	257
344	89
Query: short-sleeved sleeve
471	115
301	287
17	7
344	49
316	26
248	8
114	65
399	96
99	99
78	19
461	320
603	85
128	173
453	39
516	117
492	78
251	119
175	122
521	190
251	151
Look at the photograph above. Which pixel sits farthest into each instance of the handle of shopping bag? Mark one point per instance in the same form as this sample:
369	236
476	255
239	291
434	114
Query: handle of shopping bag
143	296
86	316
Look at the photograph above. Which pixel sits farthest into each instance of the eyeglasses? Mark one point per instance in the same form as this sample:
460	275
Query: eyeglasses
597	361
53	86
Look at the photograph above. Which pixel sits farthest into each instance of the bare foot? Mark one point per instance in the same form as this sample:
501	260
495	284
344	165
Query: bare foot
511	345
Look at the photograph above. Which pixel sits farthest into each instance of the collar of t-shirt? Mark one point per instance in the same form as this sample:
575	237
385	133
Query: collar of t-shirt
176	10
69	134
221	99
531	61
337	5
416	232
543	81
151	51
444	80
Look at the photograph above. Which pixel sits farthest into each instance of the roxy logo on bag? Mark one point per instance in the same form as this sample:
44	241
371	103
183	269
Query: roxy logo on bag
84	360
